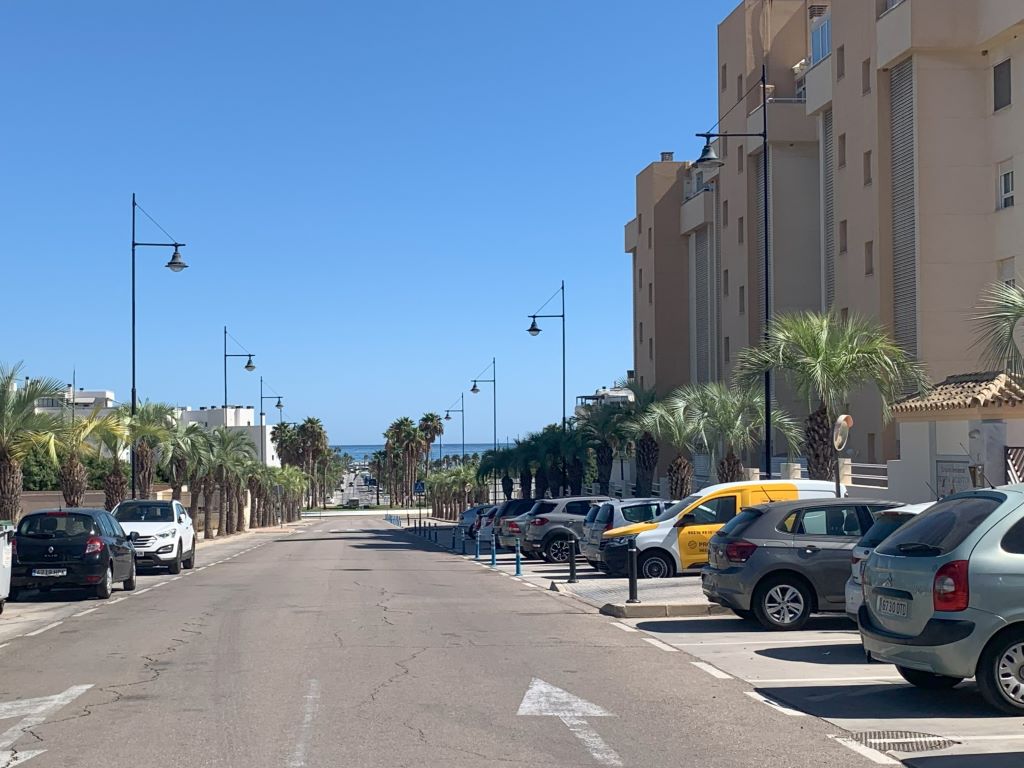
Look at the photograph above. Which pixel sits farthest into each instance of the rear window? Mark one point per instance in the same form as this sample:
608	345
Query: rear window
640	513
883	528
59	525
591	514
941	528
129	512
604	513
738	524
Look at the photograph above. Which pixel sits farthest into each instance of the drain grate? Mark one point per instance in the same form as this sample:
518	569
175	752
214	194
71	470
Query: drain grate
903	741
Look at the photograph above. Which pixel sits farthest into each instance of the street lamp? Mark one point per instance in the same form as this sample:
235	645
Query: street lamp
709	157
280	406
249	366
461	410
534	330
176	264
494	388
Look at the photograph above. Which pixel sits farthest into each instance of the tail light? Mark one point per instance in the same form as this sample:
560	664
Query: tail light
951	590
513	527
739	551
539	521
608	525
93	545
854	560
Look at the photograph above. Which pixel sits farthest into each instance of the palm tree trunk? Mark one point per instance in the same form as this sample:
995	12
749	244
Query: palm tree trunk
646	461
10	489
576	476
222	497
680	477
730	469
240	495
73	480
540	478
209	486
605	458
525	483
144	468
115	487
821	456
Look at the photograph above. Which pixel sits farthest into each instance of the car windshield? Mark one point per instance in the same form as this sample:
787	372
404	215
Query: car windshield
127	512
885	525
58	525
679	506
942	528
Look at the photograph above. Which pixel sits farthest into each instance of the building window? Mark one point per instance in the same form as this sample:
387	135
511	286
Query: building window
743	300
1005	199
869	257
1007	272
739	230
739	158
739	87
840	62
725	349
725	282
641	332
725	213
641	382
1001	84
650	293
723	144
842	236
865	76
867	168
841	151
650	348
821	38
639	223
650	237
725	77
640	280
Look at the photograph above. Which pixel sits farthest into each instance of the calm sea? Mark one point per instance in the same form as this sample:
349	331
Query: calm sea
363	452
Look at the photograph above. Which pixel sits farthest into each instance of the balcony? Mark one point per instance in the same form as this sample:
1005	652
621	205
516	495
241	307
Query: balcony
631	237
698	211
818	81
787	121
906	25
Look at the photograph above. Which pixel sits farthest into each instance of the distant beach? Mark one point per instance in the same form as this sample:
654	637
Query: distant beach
363	452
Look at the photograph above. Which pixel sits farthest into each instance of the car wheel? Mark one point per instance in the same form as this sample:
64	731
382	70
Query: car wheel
14	594
175	565
782	603
105	587
190	562
928	680
558	550
999	674
129	583
655	565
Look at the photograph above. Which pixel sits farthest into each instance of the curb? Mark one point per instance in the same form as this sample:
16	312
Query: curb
660	610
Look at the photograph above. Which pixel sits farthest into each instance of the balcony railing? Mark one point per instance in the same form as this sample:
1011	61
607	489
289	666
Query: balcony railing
889	5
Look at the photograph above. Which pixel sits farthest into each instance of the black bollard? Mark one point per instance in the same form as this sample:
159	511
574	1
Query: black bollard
572	562
631	556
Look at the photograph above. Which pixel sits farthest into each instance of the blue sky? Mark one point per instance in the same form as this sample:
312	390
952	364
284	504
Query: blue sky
374	195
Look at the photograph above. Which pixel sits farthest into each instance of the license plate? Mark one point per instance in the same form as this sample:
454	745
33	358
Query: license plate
50	572
890	607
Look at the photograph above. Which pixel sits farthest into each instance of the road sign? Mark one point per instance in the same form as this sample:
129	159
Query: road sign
419	487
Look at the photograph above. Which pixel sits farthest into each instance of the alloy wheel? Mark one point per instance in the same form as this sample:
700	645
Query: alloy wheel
1010	673
110	579
654	568
559	551
784	604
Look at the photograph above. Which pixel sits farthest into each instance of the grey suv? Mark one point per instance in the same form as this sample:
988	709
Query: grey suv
781	562
942	596
556	525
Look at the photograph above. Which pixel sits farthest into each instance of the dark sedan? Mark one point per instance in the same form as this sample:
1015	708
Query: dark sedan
72	548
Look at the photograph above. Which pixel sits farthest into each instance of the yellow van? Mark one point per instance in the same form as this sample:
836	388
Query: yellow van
679	540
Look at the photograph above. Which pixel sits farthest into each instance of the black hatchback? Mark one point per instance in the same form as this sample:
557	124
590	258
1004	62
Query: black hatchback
71	548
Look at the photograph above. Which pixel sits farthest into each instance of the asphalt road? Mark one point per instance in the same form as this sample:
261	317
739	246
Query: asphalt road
351	643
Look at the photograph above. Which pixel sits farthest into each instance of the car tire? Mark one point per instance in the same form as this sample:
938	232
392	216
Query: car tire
129	584
559	549
655	565
782	603
105	587
998	676
190	562
927	680
174	567
14	594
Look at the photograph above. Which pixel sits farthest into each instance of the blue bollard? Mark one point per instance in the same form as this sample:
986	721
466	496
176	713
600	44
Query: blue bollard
519	563
462	538
476	547
494	552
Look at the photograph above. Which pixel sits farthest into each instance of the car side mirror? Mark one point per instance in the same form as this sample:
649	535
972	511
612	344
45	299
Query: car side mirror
686	520
181	519
133	535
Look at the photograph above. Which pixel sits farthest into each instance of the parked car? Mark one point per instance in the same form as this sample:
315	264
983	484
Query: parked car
485	522
468	519
161	532
508	511
781	562
942	596
71	548
556	527
886	522
615	513
676	544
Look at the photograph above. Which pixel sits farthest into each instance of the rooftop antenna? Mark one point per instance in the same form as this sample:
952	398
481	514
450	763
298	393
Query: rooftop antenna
979	467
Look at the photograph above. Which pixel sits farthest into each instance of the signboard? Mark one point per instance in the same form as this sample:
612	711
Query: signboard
952	477
419	487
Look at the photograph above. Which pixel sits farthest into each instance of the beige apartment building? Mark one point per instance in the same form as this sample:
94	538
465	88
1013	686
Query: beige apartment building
893	130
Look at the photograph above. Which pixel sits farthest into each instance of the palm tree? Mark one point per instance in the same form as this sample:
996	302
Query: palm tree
645	446
312	438
493	462
148	430
71	441
431	426
182	443
602	426
521	462
20	427
286	443
199	466
1000	309
575	451
116	444
667	421
230	450
825	358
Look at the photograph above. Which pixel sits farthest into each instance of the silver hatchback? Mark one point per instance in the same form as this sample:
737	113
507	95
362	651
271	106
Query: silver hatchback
616	513
942	596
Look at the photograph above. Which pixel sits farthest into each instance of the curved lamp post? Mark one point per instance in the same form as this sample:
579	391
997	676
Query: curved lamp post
534	330
280	409
250	366
494	388
461	410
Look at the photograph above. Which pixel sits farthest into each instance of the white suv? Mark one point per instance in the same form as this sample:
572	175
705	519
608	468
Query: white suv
161	532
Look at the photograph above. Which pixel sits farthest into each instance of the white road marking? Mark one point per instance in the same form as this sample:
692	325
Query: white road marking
624	627
85	612
4	645
768	642
775	705
117	600
871	754
158	584
44	629
989	737
877	679
310	708
661	645
202	569
33	712
546	700
711	670
140	592
516	578
174	578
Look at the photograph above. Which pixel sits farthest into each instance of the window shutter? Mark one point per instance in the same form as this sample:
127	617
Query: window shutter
904	213
829	195
703	315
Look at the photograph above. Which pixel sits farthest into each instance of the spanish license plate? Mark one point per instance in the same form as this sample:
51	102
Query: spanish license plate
40	572
891	607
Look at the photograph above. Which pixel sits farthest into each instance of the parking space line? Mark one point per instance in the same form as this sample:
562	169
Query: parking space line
44	629
770	642
711	670
624	627
83	613
871	754
159	584
871	679
139	592
775	705
663	646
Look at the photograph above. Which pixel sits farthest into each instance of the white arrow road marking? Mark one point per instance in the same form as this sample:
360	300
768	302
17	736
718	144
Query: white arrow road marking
32	713
546	700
